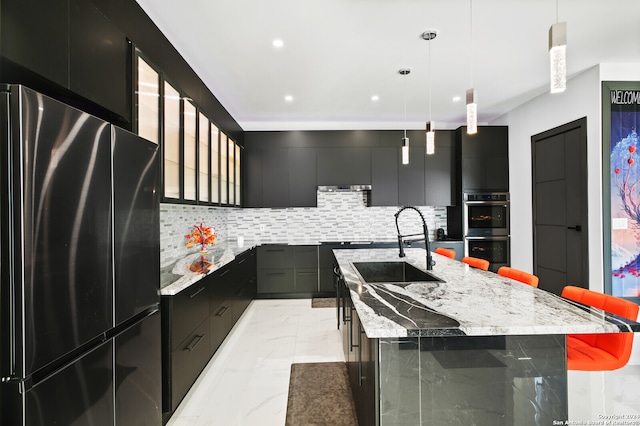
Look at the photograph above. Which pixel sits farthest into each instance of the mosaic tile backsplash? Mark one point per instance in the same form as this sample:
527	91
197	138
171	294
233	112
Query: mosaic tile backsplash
340	216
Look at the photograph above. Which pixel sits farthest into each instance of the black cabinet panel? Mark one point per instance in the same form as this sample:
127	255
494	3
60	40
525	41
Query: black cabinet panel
220	323
99	64
275	177
190	308
348	165
35	36
411	191
385	162
275	280
439	176
302	177
484	158
275	256
305	256
187	361
306	280
252	182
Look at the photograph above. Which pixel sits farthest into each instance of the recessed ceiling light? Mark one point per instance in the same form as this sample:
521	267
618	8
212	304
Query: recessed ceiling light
456	99
375	97
288	98
278	43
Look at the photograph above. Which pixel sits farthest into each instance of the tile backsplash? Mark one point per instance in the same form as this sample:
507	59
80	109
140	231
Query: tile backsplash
340	216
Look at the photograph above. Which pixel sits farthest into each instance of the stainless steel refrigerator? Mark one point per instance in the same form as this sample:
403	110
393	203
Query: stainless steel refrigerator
79	296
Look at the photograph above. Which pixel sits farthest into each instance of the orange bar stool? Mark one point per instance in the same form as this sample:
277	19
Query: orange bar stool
446	252
518	275
597	352
476	262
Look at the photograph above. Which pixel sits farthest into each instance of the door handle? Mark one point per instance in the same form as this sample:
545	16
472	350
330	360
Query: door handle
575	228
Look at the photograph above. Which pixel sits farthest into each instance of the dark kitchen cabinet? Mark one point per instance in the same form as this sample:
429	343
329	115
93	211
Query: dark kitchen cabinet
99	58
347	165
287	270
35	37
197	320
385	162
484	158
275	177
185	341
439	172
457	246
302	177
411	189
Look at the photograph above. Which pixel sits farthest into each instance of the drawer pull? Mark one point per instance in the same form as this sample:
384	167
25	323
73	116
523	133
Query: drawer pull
222	311
241	261
191	296
223	273
194	342
275	273
275	250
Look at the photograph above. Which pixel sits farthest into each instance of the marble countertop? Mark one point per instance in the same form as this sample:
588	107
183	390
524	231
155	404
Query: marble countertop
176	277
469	302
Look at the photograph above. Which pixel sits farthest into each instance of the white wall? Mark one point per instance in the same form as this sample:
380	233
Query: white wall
581	99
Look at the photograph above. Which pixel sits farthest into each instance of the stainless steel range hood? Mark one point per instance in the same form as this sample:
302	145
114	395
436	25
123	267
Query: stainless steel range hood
344	188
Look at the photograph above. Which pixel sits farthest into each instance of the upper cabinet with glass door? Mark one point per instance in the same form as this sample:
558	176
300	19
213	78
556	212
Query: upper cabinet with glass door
200	163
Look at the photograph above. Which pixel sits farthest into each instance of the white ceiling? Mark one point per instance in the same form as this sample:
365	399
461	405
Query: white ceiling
338	53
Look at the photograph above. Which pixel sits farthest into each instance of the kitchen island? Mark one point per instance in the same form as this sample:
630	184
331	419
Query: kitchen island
472	348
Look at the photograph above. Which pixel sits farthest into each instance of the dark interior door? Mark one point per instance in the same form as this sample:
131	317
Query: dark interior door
560	207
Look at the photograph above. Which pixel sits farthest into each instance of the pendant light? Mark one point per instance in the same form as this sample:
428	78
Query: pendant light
430	130
558	55
472	106
405	140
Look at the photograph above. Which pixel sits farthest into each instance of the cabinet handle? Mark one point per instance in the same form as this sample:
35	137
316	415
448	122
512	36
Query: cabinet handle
222	311
194	342
275	273
223	273
274	250
191	296
360	377
241	261
351	331
307	273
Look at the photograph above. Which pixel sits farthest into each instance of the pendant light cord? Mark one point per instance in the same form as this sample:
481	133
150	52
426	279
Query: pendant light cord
404	90
471	37
430	80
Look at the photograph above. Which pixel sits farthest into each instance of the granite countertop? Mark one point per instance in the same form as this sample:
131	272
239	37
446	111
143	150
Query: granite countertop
176	277
469	302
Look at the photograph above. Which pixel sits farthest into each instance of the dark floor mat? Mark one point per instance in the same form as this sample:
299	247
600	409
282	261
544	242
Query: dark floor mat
319	395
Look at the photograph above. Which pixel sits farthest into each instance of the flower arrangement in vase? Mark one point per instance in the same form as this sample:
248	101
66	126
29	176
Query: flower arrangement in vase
203	235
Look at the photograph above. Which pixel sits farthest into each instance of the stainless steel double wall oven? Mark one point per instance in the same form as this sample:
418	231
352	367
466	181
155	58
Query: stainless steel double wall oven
486	227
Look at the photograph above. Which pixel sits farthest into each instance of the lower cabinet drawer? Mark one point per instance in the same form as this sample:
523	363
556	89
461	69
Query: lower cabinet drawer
220	323
188	361
275	281
306	280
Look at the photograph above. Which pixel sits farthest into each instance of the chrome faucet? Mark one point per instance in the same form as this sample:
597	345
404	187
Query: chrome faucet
424	236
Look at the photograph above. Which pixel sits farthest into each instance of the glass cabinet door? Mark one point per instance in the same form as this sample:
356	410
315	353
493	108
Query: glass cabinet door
203	158
189	165
237	157
171	142
231	169
224	198
148	98
215	165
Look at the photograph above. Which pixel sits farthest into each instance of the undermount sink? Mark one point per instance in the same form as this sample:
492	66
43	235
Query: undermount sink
392	272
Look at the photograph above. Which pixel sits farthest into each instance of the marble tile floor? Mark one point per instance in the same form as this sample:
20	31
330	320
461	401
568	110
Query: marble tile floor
246	383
